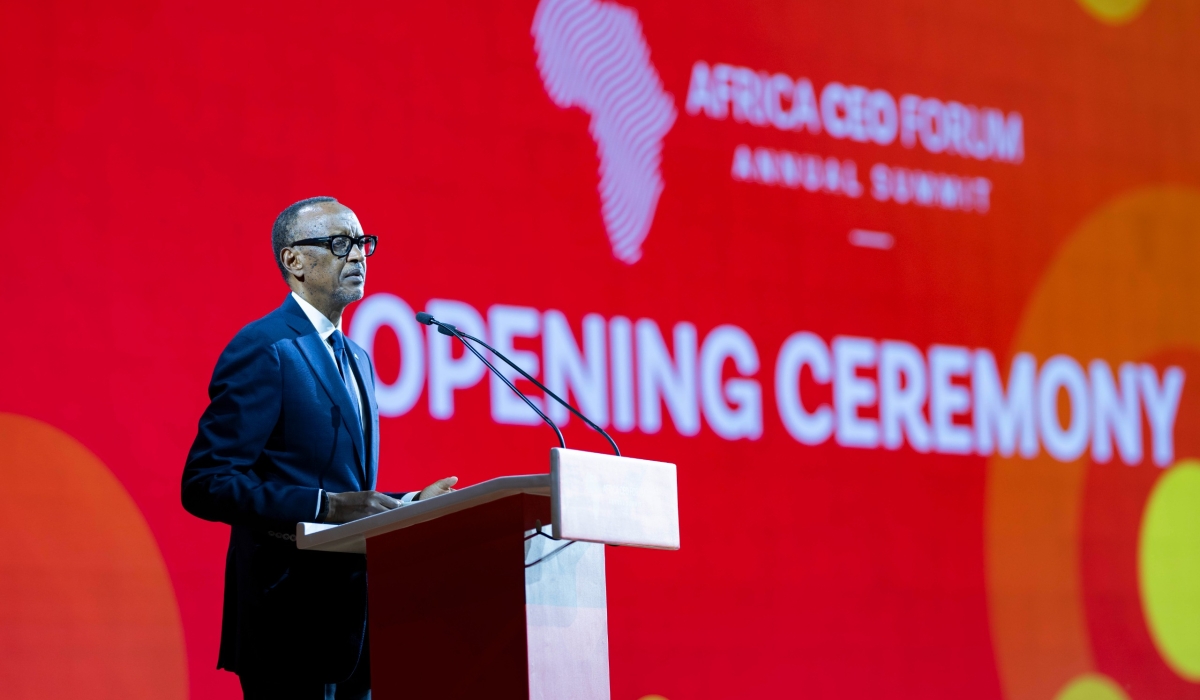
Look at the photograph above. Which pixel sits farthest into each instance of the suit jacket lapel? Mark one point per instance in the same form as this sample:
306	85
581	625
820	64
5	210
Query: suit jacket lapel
362	364
321	362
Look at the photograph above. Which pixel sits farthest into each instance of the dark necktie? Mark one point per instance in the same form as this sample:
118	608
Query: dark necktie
341	352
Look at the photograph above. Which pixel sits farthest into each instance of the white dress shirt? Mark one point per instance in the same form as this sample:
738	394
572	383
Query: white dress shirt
325	328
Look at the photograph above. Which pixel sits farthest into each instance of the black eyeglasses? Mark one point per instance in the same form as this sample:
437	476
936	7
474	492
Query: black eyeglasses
342	245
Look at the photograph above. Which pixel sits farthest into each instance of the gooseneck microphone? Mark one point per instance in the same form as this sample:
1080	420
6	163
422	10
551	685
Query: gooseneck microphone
551	394
450	330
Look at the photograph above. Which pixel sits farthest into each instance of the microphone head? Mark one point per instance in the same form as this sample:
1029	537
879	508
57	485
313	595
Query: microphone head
447	329
425	318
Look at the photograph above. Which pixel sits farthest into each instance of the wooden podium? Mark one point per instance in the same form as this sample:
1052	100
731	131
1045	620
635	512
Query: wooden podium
497	590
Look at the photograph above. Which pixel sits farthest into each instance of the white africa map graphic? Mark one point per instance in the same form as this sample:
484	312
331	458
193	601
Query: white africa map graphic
592	55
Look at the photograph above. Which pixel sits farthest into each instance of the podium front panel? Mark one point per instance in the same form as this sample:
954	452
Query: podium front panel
566	617
476	604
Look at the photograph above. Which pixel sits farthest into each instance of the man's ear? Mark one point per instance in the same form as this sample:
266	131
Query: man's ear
293	262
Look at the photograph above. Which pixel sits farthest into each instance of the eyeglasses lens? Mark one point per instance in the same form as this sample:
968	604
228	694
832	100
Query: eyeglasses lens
341	245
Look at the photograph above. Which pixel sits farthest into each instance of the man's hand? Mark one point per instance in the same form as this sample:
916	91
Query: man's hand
438	487
352	505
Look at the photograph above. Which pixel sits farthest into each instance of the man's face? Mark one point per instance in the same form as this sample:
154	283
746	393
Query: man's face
325	276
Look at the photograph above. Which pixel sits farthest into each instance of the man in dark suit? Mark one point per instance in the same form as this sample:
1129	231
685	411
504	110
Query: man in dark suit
291	434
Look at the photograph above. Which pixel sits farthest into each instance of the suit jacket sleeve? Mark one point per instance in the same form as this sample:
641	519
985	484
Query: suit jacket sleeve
219	480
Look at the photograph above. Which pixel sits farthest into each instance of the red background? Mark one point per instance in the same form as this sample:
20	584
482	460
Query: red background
145	149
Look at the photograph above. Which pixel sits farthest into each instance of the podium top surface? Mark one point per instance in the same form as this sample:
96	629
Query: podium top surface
352	537
593	498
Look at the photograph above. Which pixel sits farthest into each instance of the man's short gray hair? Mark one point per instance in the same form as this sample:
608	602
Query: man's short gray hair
284	230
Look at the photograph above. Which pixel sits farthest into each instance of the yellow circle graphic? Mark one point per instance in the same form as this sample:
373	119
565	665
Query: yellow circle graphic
1169	568
1114	11
1092	686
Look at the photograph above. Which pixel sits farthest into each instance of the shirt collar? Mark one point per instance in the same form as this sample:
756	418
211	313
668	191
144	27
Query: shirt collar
318	319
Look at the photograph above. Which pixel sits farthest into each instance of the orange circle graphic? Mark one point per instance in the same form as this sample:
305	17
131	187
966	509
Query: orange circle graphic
1123	288
86	606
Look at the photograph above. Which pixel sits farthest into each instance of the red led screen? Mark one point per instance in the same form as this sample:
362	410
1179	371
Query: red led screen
907	290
